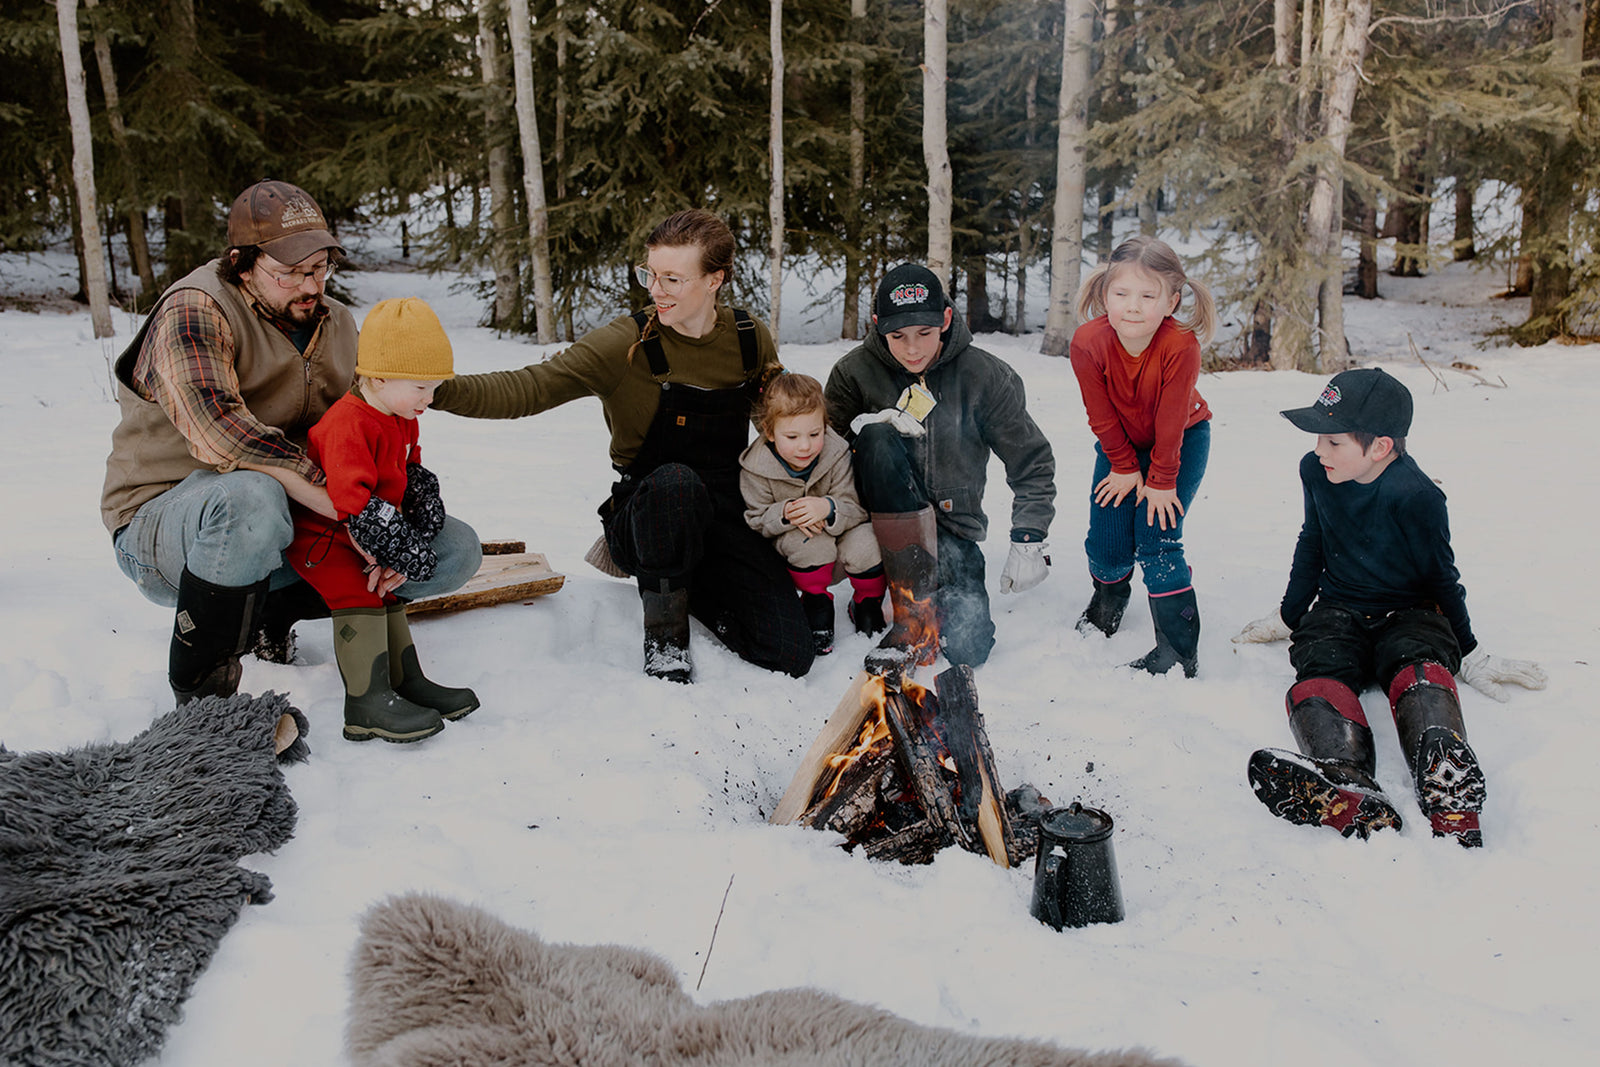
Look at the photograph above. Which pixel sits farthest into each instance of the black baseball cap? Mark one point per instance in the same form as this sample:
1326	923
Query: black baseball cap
1365	400
909	295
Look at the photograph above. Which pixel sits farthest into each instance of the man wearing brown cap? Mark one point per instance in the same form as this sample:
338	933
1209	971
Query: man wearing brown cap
235	364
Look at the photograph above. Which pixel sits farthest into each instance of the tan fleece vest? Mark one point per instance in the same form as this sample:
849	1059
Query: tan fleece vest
281	387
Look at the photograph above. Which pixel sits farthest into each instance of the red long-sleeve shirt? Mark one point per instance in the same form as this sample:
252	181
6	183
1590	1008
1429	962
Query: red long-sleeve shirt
1142	402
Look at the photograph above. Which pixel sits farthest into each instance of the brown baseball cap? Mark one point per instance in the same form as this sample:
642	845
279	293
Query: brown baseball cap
280	219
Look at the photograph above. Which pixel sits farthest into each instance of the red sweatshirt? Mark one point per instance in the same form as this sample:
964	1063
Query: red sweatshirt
363	452
1140	402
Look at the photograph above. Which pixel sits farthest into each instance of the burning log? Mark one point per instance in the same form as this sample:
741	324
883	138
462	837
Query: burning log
905	771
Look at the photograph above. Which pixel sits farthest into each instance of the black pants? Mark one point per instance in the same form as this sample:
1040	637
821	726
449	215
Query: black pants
675	532
888	481
1360	650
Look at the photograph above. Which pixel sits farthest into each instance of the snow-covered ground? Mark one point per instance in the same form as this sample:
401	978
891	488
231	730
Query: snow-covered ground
591	804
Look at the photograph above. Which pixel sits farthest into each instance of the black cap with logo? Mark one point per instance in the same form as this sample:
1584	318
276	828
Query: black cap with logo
1365	400
909	295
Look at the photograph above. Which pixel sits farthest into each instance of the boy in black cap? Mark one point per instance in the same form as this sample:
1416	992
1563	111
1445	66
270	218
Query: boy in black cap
924	409
1374	597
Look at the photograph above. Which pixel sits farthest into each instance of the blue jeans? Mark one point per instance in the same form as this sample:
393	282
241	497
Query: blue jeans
1119	536
232	529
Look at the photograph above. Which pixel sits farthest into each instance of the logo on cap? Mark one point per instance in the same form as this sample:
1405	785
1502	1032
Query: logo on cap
1330	396
908	294
299	213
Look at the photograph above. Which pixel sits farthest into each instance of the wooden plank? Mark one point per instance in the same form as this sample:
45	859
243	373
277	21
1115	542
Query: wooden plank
838	735
501	579
969	743
504	548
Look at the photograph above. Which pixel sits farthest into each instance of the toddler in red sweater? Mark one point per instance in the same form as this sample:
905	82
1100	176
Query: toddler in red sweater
1137	366
389	513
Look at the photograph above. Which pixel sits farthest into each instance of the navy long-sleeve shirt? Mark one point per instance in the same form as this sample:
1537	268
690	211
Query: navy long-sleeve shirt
1376	548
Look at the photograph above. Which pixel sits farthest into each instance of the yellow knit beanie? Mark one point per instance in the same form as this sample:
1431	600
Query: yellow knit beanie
403	339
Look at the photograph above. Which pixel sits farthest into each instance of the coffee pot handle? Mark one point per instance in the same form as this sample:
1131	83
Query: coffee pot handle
1049	877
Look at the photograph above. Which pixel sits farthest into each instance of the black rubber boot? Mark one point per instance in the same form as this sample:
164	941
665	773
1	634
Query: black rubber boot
819	614
407	679
1331	782
1105	609
211	628
371	706
867	615
1177	623
1433	735
910	545
666	633
273	641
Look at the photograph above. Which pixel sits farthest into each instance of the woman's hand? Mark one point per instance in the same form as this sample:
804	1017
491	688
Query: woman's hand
808	514
1164	505
1114	487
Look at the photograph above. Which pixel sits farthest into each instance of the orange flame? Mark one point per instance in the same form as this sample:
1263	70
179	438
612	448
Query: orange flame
918	629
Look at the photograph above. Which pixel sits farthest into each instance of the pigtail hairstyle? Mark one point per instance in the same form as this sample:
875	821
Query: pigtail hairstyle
1158	258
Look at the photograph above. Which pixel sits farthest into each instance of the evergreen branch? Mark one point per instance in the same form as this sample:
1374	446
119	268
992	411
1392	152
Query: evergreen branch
1486	17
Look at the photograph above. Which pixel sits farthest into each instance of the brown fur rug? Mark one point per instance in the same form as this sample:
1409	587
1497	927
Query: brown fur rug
436	982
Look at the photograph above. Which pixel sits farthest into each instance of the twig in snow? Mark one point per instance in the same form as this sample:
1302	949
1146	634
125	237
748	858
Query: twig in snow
1425	363
1472	372
714	926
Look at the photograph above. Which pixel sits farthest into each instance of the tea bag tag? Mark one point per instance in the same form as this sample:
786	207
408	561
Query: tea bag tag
916	401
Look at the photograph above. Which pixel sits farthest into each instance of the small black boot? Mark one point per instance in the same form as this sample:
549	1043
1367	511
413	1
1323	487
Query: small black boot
867	615
407	679
211	629
819	614
1105	609
1177	623
1433	735
273	641
1330	783
666	633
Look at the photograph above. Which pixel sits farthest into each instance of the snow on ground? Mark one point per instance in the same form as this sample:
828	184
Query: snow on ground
591	804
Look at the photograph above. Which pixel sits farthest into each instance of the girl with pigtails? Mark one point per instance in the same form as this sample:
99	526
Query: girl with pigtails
1137	364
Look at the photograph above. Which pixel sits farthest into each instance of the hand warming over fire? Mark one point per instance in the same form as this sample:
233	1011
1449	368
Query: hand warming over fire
808	514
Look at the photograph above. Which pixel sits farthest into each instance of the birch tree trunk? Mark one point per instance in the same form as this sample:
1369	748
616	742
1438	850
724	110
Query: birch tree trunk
935	140
502	205
544	303
855	253
775	148
138	244
1323	223
94	253
1551	262
1066	245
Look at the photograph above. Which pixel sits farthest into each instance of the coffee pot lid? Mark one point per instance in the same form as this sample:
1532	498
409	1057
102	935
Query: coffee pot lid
1076	822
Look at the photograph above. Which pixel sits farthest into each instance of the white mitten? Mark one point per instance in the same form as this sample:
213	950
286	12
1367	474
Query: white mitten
900	420
1026	566
1263	631
1485	673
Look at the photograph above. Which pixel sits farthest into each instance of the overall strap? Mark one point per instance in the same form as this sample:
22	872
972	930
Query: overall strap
652	347
746	328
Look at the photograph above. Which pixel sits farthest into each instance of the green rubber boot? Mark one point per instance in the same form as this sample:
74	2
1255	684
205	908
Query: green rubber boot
371	706
407	679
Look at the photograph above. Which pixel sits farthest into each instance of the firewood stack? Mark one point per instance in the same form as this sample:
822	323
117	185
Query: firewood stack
904	771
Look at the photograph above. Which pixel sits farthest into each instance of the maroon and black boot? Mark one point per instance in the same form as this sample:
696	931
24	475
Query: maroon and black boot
1329	782
1433	735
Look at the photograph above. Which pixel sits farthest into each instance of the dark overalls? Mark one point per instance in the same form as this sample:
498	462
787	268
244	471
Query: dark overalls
675	518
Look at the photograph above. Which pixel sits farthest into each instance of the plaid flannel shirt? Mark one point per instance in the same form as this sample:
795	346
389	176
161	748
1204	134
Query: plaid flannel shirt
186	366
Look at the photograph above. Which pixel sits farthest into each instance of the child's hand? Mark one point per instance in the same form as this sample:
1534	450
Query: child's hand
1485	673
808	514
1114	488
1164	505
1264	631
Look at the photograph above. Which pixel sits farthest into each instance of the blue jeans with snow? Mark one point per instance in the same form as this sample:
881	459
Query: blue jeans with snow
1119	536
232	529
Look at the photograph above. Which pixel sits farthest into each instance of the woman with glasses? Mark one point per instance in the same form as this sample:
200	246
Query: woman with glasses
677	383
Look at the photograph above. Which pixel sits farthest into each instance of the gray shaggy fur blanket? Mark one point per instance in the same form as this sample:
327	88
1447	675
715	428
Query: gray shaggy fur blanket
436	982
119	875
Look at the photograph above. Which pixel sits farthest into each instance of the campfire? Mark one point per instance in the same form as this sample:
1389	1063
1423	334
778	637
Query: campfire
903	771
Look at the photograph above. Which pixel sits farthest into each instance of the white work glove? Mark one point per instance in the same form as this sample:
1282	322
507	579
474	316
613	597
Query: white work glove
1263	631
900	420
1485	673
1026	566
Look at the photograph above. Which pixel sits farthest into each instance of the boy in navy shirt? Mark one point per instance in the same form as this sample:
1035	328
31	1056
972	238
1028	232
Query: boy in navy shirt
1374	597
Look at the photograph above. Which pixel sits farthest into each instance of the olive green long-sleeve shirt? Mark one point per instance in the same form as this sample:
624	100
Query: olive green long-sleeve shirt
598	365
